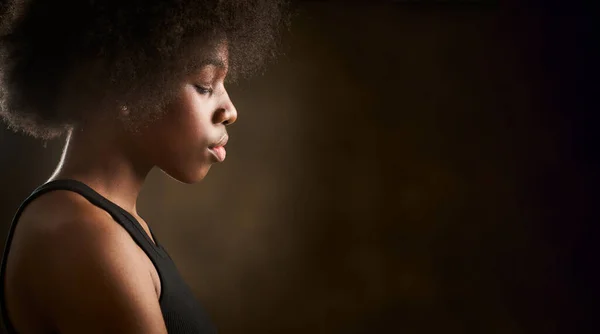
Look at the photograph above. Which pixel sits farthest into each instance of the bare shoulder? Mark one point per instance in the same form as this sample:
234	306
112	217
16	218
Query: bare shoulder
82	271
61	222
57	212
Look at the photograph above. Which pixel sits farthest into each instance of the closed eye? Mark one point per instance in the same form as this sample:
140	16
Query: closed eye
203	90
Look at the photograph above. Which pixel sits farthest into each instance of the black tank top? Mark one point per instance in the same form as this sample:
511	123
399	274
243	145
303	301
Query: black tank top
180	310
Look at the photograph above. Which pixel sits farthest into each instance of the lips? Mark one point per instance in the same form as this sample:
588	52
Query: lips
218	150
221	142
219	153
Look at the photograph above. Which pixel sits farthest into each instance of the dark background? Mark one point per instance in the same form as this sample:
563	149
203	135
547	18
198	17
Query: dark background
405	167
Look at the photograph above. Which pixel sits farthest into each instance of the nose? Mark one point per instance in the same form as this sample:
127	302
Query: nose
226	113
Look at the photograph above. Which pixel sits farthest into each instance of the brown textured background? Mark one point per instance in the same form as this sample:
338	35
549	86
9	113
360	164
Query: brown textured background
403	168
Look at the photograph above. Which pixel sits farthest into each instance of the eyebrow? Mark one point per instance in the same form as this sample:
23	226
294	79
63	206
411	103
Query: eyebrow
213	61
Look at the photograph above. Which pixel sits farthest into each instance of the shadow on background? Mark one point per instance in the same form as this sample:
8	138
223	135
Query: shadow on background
403	168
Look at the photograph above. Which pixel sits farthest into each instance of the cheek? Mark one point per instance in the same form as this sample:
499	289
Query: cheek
185	136
193	125
178	142
188	120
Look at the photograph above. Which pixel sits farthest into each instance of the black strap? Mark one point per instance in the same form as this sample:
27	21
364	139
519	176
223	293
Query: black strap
119	214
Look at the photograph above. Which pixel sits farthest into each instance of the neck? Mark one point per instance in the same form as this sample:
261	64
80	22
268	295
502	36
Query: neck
104	161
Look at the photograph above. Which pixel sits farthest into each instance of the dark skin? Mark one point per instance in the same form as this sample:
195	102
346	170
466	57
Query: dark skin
71	268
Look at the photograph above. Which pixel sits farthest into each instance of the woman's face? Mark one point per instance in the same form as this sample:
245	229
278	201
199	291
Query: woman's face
190	137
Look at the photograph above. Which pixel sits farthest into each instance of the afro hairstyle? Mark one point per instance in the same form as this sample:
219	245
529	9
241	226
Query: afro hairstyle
61	60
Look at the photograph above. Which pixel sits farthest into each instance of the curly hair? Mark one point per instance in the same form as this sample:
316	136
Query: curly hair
61	61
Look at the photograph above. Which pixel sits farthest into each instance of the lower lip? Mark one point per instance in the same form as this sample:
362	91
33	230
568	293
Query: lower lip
219	153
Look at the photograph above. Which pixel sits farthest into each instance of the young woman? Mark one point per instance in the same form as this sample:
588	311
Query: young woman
135	84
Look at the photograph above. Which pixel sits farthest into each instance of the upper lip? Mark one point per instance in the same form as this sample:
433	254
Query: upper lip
221	142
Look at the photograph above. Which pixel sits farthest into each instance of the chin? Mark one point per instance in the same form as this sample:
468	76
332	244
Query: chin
190	177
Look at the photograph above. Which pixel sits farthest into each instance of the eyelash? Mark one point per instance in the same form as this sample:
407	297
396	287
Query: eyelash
203	90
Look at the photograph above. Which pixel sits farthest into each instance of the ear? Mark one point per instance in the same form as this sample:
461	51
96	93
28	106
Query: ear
124	116
123	111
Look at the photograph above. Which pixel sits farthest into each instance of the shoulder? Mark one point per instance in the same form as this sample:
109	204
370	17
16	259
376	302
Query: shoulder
83	267
64	221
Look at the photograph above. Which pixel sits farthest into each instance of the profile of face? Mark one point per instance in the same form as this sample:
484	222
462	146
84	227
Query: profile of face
191	135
